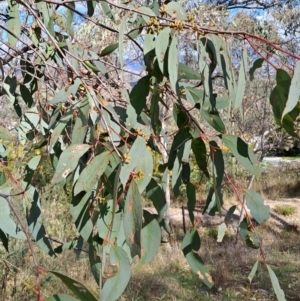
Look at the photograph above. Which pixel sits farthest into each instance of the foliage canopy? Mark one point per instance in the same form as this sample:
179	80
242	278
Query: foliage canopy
102	137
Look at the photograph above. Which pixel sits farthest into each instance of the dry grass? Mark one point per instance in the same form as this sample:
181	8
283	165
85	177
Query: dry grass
168	276
275	183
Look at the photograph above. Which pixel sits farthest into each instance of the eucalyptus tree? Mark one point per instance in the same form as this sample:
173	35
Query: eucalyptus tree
102	137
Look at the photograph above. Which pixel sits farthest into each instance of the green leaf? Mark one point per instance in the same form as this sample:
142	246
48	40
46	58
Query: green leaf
242	80
60	125
190	247
175	10
60	297
4	240
9	88
26	95
30	168
29	124
64	93
161	45
114	287
294	92
136	155
212	117
191	196
257	64
109	49
91	7
7	225
95	263
177	170
218	162
106	9
242	152
74	244
276	286
253	271
80	210
155	113
109	221
77	288
221	232
5	134
133	212
13	23
81	123
229	214
92	173
68	161
186	72
199	150
156	194
69	18
148	11
253	240
34	220
173	61
151	237
111	125
258	209
144	169
180	138
139	93
121	40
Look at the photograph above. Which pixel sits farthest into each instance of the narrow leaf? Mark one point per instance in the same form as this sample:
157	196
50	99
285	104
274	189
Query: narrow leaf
77	288
139	93
80	210
133	213
4	239
199	150
242	80
294	91
148	11
81	123
13	23
151	237
5	134
255	203
253	271
135	155
221	232
7	225
68	161
190	248
106	9
186	72
242	152
109	49
257	64
161	45
156	194
173	61
191	195
121	40
276	286
114	287
91	7
34	220
176	11
92	173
